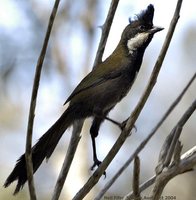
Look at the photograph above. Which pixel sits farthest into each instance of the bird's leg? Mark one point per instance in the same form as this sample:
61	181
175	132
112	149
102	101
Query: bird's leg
120	125
101	116
95	159
94	130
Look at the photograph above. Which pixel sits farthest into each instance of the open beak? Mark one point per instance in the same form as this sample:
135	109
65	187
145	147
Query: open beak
155	29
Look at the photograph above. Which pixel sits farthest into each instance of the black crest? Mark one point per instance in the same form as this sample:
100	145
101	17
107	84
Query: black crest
145	16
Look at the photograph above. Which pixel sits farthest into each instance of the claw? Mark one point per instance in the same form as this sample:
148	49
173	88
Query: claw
96	164
123	124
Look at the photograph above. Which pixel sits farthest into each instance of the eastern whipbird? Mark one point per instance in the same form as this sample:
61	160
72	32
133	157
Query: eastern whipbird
97	93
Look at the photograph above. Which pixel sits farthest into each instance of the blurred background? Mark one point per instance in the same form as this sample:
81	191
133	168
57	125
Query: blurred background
72	48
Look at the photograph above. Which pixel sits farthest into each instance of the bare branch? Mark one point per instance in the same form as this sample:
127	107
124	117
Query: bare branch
105	32
145	141
167	149
75	138
175	141
28	153
177	152
136	174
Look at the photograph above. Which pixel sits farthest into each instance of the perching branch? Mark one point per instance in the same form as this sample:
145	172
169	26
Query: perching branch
28	153
133	117
145	141
77	126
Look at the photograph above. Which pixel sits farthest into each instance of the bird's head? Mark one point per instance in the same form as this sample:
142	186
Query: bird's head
139	32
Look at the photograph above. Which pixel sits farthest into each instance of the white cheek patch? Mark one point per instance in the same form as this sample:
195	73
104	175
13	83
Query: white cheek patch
137	41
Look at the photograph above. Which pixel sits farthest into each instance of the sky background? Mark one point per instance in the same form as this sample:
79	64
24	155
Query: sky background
69	58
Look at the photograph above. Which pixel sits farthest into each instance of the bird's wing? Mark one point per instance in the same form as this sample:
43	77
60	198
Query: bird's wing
94	78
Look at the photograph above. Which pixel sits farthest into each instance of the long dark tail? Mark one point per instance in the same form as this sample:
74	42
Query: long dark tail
43	148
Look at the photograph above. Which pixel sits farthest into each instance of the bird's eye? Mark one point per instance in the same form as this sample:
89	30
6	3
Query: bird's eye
142	27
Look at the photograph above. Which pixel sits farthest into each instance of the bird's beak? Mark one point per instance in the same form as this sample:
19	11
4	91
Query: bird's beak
155	29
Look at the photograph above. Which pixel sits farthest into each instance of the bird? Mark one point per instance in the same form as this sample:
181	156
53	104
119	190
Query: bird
97	94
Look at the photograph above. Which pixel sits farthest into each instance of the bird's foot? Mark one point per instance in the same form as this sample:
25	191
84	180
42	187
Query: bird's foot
96	164
123	124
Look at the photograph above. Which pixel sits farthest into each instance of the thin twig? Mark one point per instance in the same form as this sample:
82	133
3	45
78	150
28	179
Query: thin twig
105	31
143	186
77	126
136	175
145	141
28	153
177	152
175	139
75	138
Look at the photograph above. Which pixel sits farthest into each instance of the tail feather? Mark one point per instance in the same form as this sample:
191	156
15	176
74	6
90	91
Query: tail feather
42	149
